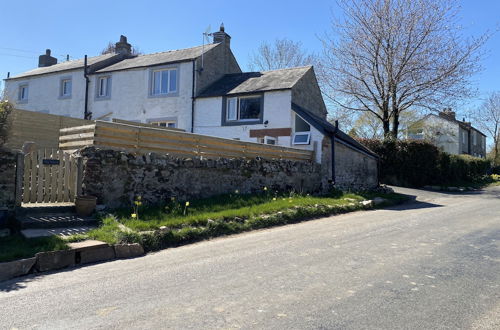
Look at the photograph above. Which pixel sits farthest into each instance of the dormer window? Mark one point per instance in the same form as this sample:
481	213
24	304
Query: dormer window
23	93
65	88
164	82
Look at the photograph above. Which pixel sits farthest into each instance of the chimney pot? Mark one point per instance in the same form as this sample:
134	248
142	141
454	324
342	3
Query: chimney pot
221	36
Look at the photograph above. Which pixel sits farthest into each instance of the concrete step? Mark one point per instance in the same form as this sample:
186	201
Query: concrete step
45	208
55	220
62	232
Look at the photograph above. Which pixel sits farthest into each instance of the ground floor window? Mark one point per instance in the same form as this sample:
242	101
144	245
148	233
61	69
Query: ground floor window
302	131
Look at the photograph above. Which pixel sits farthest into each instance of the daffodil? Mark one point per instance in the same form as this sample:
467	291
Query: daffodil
274	198
133	215
187	203
265	188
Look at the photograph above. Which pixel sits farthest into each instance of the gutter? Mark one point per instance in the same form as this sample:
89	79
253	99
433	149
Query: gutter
87	115
192	97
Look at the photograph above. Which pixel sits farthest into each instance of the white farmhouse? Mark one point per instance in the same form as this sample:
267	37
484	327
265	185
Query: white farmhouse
451	135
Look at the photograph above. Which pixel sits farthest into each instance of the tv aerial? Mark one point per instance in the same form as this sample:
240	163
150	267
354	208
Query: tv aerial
206	38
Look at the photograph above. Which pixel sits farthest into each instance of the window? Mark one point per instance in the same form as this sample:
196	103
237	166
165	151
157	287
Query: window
464	138
164	123
302	131
244	109
268	140
23	93
65	90
164	82
103	87
474	137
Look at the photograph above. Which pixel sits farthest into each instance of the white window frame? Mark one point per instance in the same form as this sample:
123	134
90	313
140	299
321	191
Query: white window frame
308	134
169	91
107	88
302	133
168	123
474	138
236	100
267	139
23	93
64	83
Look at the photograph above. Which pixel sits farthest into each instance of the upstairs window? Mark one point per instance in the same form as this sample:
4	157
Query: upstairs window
103	87
164	82
302	133
23	93
65	90
244	109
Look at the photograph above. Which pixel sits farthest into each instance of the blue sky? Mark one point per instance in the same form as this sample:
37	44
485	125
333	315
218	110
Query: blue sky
78	28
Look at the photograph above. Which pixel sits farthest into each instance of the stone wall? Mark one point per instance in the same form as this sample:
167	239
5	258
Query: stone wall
7	183
116	177
353	169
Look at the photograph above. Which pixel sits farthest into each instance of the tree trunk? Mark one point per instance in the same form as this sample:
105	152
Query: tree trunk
395	125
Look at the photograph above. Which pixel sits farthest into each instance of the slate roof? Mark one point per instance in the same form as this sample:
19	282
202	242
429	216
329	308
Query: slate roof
464	125
326	128
64	66
172	56
252	82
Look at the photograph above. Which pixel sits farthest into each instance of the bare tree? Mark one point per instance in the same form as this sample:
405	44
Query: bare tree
110	48
387	56
487	118
283	53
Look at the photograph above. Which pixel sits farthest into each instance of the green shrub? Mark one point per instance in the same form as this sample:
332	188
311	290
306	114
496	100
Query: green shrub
417	163
5	110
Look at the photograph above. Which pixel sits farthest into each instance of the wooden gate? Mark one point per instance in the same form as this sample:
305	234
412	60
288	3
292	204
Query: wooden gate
51	176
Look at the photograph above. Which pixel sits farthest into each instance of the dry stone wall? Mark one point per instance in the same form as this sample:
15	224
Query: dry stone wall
353	169
116	177
7	183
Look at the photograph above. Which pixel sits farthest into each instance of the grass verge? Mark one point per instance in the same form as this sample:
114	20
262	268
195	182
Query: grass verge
17	247
175	223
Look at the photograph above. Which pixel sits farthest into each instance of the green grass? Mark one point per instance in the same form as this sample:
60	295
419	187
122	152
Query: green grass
480	182
17	247
174	223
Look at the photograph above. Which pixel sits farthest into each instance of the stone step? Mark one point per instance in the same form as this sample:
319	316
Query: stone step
62	232
45	208
55	220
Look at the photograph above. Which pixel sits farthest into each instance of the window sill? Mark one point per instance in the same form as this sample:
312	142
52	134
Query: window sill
64	97
103	98
242	122
163	95
22	101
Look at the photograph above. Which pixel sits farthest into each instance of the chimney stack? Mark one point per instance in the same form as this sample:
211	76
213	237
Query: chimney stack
222	37
46	60
448	113
123	47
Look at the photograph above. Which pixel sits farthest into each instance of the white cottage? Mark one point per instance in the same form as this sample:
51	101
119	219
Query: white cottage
200	90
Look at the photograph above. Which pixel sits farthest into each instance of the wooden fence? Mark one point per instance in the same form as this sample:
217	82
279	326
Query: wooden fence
41	128
143	139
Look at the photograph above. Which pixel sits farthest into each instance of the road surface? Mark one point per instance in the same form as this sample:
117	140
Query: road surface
430	264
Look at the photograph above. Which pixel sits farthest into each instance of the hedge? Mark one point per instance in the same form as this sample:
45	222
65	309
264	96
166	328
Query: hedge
415	163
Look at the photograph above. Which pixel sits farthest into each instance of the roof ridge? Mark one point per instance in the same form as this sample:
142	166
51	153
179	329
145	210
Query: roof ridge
284	69
175	50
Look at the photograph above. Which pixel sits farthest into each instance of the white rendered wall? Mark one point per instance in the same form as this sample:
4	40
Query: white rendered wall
130	99
277	111
44	94
449	138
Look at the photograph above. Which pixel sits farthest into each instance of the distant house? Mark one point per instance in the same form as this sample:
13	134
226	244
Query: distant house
451	135
200	90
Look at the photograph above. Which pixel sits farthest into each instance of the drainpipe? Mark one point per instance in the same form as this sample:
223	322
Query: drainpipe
332	139
192	98
87	115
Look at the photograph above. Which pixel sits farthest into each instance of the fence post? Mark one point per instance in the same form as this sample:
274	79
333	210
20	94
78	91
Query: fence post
19	178
79	176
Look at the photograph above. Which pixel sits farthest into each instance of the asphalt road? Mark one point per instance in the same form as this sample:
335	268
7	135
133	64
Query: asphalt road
431	264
